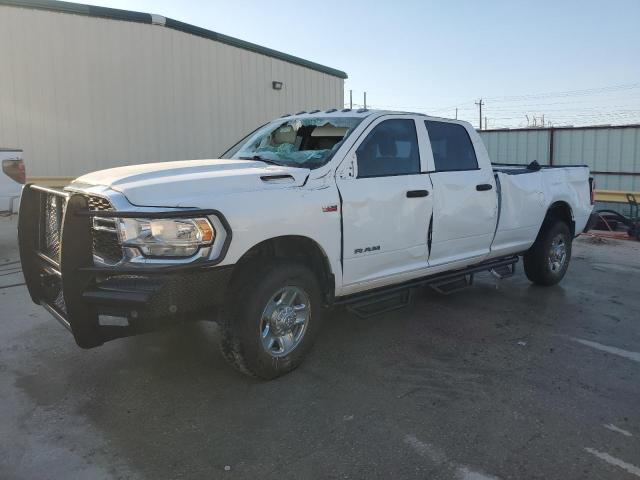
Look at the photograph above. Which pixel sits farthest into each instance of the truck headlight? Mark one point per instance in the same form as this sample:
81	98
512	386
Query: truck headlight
166	237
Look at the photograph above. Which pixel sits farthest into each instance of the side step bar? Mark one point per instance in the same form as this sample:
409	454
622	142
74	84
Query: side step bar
505	271
381	304
393	297
451	285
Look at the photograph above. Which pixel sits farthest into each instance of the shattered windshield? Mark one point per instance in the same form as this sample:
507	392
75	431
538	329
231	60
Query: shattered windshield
298	142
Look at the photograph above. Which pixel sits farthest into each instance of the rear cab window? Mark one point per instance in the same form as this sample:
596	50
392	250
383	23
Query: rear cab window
451	146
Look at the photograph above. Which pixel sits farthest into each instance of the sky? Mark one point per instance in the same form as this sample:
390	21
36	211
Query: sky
575	62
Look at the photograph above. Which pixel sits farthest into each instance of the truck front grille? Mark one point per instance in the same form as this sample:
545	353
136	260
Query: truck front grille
99	203
106	244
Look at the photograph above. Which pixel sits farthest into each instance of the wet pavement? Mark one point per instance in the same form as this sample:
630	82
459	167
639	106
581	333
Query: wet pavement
503	380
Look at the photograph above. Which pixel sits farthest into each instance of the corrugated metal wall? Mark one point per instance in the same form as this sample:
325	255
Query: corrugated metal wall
80	93
604	150
517	146
615	150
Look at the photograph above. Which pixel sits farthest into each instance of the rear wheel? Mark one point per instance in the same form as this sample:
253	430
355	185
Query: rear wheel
547	260
273	322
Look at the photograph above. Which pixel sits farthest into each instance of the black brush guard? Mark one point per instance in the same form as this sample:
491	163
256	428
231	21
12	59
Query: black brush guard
46	276
77	293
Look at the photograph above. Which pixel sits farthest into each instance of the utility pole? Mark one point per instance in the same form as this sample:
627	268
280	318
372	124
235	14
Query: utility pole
351	99
365	100
456	113
485	123
480	103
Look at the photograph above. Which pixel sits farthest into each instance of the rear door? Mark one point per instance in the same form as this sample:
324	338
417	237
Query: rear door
386	202
465	206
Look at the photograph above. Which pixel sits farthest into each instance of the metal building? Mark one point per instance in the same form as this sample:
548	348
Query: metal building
84	88
611	152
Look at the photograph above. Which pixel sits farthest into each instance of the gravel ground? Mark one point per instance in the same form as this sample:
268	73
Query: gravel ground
502	380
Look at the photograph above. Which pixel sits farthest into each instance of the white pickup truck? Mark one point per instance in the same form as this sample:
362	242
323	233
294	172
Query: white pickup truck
11	179
310	210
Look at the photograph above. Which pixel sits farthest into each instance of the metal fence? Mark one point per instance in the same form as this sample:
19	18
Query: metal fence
611	152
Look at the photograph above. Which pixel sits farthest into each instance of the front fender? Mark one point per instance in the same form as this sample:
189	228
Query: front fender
255	217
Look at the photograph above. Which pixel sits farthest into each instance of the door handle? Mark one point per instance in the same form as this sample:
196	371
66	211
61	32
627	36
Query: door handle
417	193
484	186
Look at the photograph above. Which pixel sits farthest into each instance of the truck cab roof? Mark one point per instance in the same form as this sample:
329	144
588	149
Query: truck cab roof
360	112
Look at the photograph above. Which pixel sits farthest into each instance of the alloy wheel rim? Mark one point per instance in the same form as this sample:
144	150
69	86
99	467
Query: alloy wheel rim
284	321
557	254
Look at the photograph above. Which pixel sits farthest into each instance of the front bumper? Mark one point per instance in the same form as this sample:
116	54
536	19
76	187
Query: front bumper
100	303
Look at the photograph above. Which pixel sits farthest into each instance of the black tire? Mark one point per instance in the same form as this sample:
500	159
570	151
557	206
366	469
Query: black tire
539	265
241	339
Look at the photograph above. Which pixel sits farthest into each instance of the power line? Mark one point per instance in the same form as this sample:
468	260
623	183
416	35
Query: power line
515	98
611	104
567	93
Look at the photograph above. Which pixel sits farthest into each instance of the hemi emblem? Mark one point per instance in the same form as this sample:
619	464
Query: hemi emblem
330	208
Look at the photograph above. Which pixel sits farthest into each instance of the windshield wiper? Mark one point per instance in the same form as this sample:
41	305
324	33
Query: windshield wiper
259	158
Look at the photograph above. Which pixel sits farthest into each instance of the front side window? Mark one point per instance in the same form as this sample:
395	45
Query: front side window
451	146
298	142
391	148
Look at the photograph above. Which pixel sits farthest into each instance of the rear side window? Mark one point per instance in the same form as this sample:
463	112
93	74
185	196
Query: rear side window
451	146
391	148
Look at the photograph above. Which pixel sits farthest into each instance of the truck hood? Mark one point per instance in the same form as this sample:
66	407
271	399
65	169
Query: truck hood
170	184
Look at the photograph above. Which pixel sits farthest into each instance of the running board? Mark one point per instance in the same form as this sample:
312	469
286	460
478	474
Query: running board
381	304
505	271
439	279
448	286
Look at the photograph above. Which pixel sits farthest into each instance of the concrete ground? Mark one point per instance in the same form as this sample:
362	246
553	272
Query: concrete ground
503	380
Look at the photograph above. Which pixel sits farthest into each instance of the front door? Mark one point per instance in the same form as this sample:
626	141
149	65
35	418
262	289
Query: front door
386	203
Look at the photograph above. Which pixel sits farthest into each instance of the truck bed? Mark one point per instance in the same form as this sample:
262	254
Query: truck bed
524	196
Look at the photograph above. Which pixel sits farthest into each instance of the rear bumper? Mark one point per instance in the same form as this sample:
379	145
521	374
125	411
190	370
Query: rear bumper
101	303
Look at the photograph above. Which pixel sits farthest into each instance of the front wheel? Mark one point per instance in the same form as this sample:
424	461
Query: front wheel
273	322
547	260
